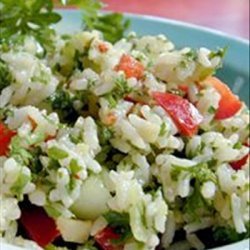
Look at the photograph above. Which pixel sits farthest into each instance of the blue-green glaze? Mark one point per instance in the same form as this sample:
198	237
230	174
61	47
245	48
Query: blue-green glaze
235	71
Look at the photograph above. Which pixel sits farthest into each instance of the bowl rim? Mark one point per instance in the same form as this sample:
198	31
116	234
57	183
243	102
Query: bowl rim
171	21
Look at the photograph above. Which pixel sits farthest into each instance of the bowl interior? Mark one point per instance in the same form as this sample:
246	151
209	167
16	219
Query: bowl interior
235	71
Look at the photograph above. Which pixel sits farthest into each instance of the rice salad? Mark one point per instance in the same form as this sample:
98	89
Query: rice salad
132	145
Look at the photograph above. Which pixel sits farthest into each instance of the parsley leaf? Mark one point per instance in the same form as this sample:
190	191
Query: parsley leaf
120	90
115	219
5	75
221	52
33	17
112	25
228	235
201	172
63	103
120	222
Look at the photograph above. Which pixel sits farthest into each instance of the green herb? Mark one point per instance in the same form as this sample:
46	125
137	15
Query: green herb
201	172
211	110
53	247
57	153
63	104
53	164
74	166
120	222
5	75
5	112
17	151
112	25
36	138
237	145
196	204
120	90
20	183
52	211
104	134
35	164
29	157
89	245
42	77
103	155
163	129
116	219
221	52
226	235
191	55
33	17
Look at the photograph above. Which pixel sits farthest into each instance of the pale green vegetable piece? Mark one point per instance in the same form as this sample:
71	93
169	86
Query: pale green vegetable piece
76	231
92	201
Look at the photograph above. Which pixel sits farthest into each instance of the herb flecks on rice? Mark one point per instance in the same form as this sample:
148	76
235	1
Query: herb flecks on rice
83	136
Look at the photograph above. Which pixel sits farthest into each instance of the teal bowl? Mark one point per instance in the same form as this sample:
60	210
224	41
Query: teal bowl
235	71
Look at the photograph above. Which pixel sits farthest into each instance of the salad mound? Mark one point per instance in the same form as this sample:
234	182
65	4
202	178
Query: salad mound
118	142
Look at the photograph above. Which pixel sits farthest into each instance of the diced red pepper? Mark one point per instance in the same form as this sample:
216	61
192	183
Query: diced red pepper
237	165
39	226
131	67
105	239
229	103
5	139
184	89
103	48
184	114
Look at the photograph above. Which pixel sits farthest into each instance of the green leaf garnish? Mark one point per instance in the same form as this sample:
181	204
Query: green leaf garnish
32	17
57	153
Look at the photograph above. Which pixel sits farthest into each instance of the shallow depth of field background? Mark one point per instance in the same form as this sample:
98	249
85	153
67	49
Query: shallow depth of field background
230	16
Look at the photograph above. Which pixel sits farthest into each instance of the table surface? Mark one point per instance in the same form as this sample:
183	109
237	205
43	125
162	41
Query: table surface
230	16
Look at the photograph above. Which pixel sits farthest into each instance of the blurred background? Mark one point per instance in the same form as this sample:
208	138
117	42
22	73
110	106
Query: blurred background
230	16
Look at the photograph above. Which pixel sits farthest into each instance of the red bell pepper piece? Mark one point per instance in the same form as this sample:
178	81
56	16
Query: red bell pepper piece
229	103
105	239
131	67
103	48
184	89
237	165
5	139
38	225
184	114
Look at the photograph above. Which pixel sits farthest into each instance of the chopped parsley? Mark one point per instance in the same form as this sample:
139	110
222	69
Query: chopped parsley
201	172
57	153
163	129
5	75
120	90
226	235
63	103
120	222
221	52
112	25
211	110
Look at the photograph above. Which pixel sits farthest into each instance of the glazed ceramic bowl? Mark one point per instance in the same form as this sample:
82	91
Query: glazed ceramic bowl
235	71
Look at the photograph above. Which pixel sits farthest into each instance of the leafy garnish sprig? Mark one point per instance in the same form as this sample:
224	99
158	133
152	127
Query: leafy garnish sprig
33	17
112	25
